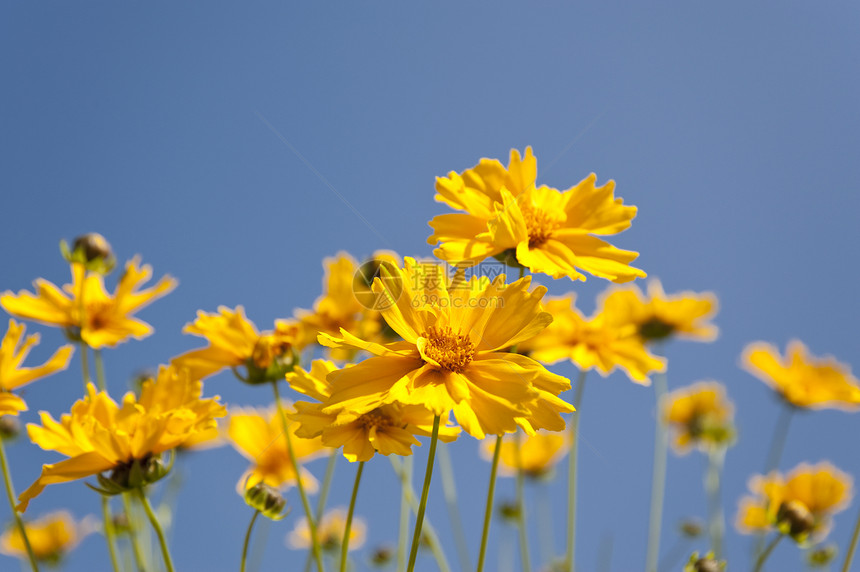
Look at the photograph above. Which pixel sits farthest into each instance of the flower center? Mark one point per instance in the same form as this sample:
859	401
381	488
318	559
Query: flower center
539	224
376	418
452	351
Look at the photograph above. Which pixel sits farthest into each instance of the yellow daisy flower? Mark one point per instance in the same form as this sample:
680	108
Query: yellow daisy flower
657	316
701	416
13	350
537	454
451	357
86	310
98	435
603	342
540	228
388	429
347	302
329	532
51	537
800	504
801	379
259	436
234	342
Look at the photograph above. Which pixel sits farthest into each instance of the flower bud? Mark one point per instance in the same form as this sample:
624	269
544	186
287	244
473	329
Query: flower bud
266	499
92	250
795	519
655	330
706	563
821	556
509	511
382	556
691	528
10	427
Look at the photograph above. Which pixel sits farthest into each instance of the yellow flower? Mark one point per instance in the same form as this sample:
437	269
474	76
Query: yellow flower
51	537
329	532
803	380
388	429
537	454
800	504
602	342
234	341
701	416
107	319
347	302
451	356
259	436
659	317
13	350
541	228
98	435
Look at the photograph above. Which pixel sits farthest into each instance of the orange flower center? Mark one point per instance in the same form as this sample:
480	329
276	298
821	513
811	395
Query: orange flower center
539	224
376	418
269	348
453	351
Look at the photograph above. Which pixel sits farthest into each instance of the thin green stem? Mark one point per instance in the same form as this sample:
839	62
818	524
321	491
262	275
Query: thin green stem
658	482
488	511
570	557
247	542
344	545
716	520
405	487
419	518
404	472
10	493
545	531
780	435
450	491
525	561
312	525
168	563
85	364
763	556
100	370
326	486
132	532
849	554
110	532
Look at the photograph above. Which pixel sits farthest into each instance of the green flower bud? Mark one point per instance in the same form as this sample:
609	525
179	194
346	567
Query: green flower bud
92	250
266	499
10	427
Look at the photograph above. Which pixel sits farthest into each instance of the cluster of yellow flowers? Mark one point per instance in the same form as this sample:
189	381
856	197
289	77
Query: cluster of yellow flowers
408	349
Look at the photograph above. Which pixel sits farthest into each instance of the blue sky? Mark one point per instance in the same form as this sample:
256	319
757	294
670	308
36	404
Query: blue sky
217	139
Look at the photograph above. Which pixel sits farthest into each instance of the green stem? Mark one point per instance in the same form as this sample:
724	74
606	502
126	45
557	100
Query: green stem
525	561
404	472
168	563
10	493
344	545
312	525
849	555
419	518
405	488
248	540
658	482
716	520
132	532
763	556
326	486
545	530
110	532
488	511
100	370
570	558
780	434
450	491
85	365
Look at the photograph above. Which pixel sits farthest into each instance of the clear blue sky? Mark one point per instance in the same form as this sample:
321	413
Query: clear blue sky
734	127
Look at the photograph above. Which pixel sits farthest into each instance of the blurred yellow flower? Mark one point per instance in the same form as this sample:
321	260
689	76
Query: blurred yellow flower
98	435
329	532
234	342
658	317
259	436
347	302
13	350
85	309
603	342
537	454
388	429
801	379
540	228
51	537
701	416
800	504
451	356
